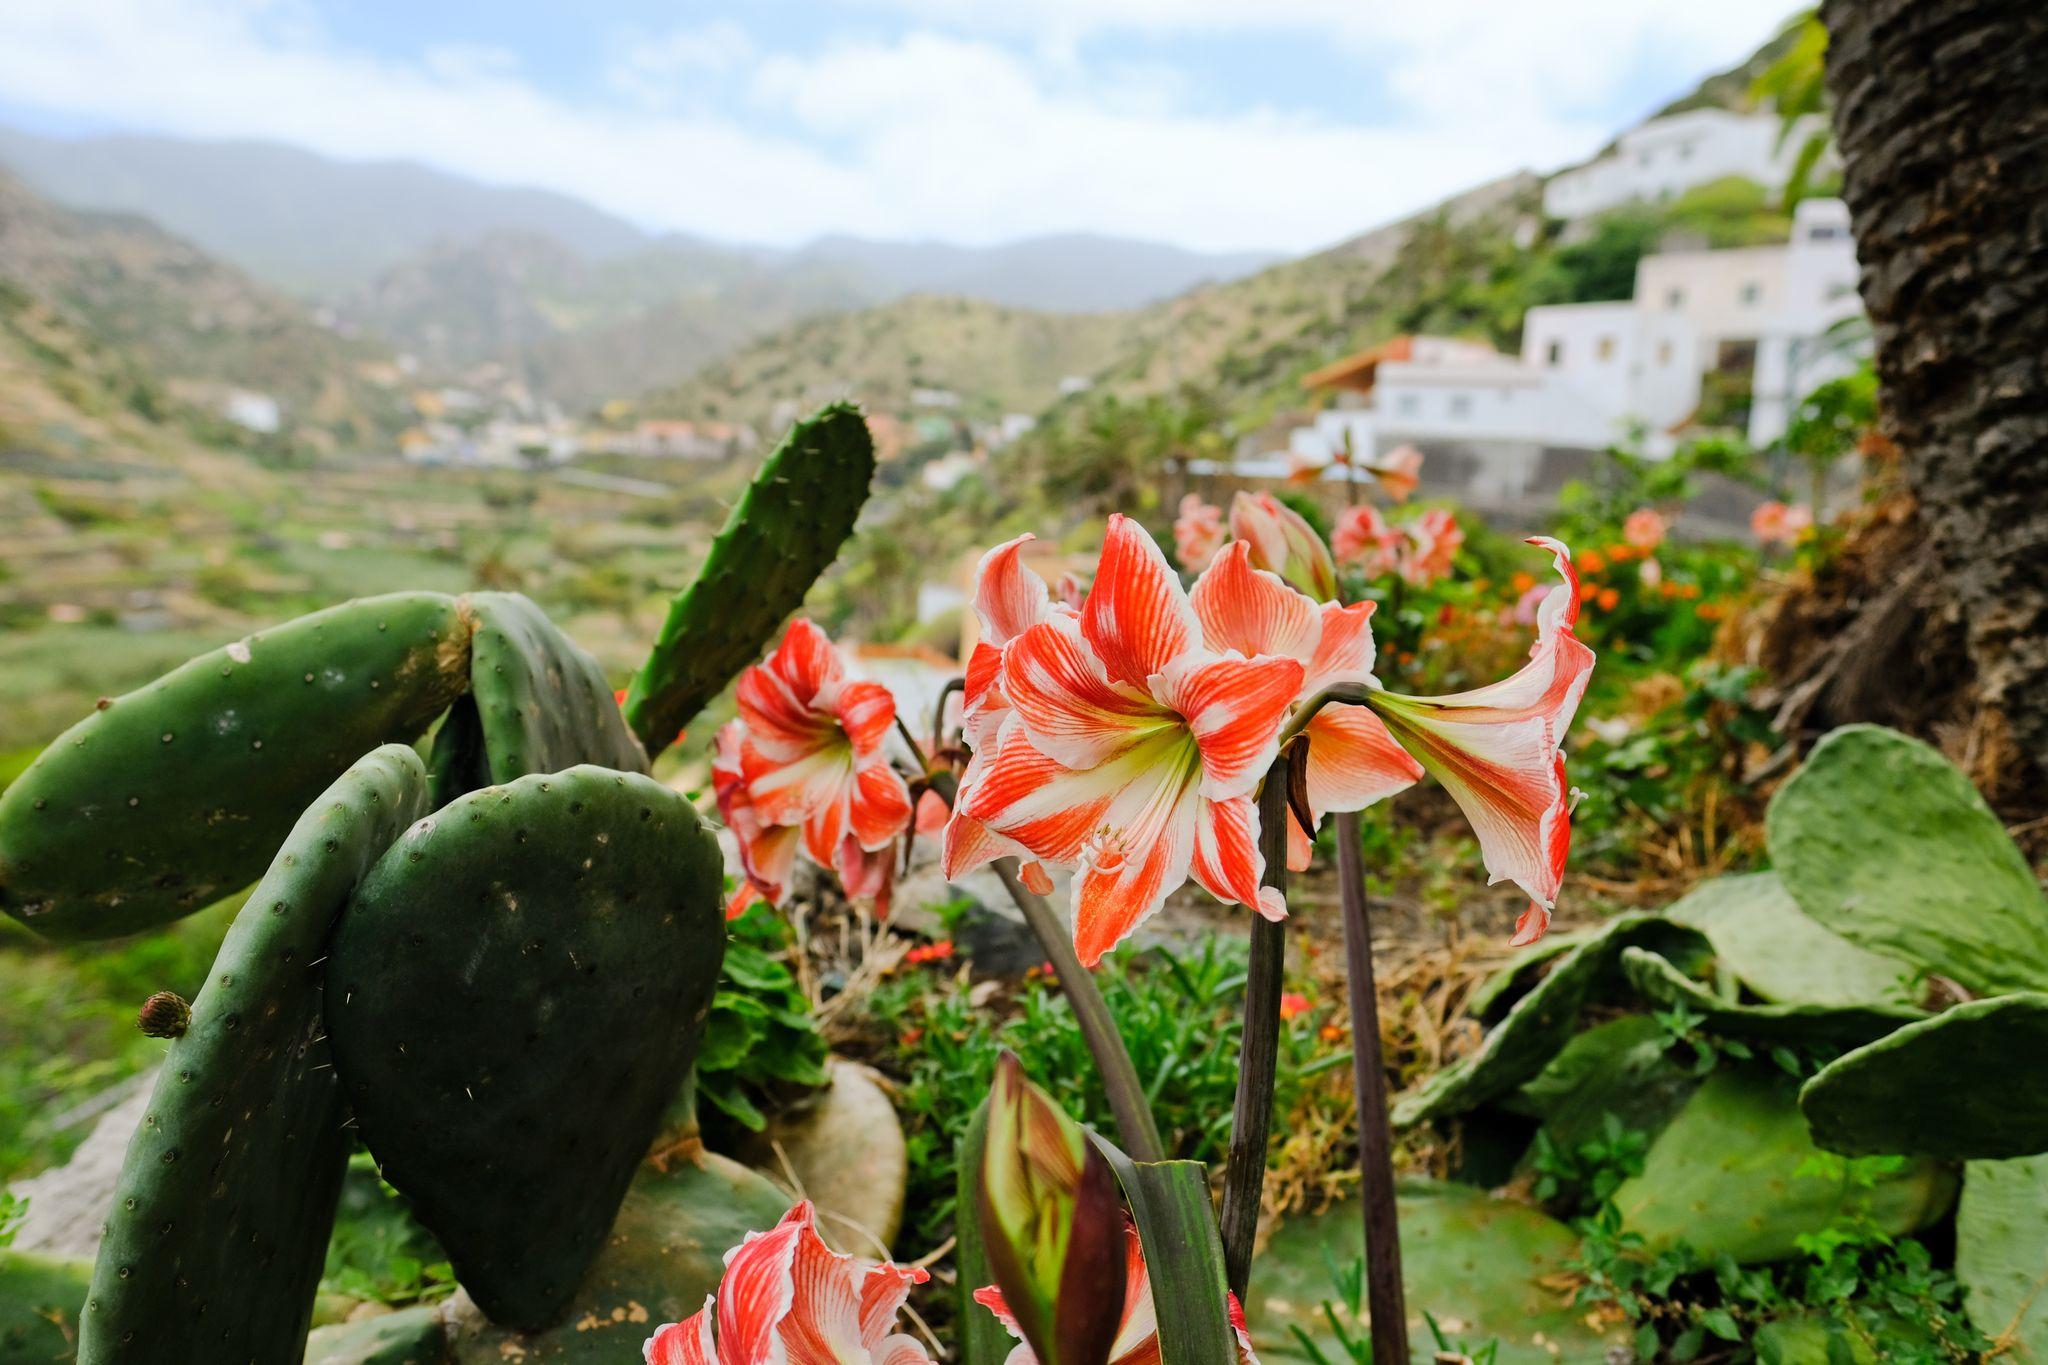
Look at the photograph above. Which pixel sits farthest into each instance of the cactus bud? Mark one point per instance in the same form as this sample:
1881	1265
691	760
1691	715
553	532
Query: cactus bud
164	1015
1052	1224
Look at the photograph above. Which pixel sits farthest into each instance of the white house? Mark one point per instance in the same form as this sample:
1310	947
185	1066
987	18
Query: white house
1764	315
1665	157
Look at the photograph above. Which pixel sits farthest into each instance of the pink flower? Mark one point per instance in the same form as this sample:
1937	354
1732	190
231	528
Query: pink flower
1137	1335
1130	751
1776	524
788	1299
1432	543
1352	761
1282	543
1399	472
1645	528
1365	541
809	754
1527	605
1497	751
1197	533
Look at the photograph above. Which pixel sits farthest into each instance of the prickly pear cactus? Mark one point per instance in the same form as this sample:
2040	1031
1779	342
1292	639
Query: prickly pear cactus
411	1336
40	1298
1541	1022
786	529
515	993
1734	1173
1953	1086
2002	1253
1760	933
1840	1026
537	704
665	1255
219	1222
168	798
1885	842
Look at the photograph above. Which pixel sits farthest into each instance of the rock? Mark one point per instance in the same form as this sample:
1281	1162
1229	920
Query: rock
846	1153
985	925
67	1205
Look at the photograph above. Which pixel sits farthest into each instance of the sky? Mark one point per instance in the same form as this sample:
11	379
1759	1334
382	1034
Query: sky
1214	124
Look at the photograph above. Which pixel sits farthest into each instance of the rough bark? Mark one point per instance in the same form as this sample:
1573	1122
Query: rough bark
1941	118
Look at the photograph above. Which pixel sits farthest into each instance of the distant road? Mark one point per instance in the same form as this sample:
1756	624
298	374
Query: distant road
614	483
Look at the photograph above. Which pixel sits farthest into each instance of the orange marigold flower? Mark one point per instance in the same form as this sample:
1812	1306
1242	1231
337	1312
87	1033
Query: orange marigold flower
1293	1005
1608	599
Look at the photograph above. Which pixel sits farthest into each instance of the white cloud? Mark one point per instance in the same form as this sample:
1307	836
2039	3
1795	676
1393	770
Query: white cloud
924	135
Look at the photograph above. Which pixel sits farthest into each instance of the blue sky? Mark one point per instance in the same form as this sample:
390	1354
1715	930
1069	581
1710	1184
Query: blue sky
1213	123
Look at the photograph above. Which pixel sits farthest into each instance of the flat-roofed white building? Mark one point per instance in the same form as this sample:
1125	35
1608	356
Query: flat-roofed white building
1767	316
1665	157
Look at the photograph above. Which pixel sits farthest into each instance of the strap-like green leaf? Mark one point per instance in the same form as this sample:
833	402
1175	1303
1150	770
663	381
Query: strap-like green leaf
1183	1256
982	1339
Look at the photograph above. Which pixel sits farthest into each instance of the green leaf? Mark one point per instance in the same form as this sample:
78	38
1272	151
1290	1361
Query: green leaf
1183	1256
982	1340
1882	840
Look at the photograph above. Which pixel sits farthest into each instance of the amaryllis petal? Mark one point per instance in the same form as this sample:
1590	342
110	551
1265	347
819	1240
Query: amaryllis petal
880	808
1009	598
782	727
1496	749
1227	860
756	1294
805	661
1197	533
1365	541
1137	618
1044	807
982	705
683	1343
1250	611
865	711
1233	707
1344	649
866	874
1140	854
1061	692
1283	543
883	1292
1353	761
789	792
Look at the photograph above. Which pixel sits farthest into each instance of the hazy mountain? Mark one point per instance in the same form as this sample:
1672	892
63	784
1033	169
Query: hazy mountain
189	318
302	221
585	304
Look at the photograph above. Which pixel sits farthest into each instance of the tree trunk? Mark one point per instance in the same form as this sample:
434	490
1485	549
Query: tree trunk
1941	119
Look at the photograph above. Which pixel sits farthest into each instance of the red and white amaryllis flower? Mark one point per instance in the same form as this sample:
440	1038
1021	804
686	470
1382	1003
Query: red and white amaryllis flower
1129	750
788	1299
807	753
1352	760
1399	472
1137	1335
1283	543
1497	750
1366	541
1432	543
1197	533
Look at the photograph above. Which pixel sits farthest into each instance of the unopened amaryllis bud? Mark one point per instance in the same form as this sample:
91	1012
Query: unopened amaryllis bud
1283	543
1052	1224
164	1015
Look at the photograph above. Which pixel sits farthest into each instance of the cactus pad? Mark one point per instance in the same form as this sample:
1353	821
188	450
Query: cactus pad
1726	1177
1841	1026
785	531
515	993
1544	1020
411	1336
665	1254
537	704
219	1221
1950	1086
40	1298
2002	1252
1486	1269
1760	933
1622	1067
1882	840
168	798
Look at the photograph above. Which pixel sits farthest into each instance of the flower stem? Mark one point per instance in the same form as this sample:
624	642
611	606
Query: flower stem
1384	1300
1119	1077
1251	1122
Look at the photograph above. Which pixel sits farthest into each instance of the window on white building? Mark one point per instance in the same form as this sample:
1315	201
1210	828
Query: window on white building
1685	151
1752	294
1605	350
1408	404
1461	405
1674	298
1554	356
